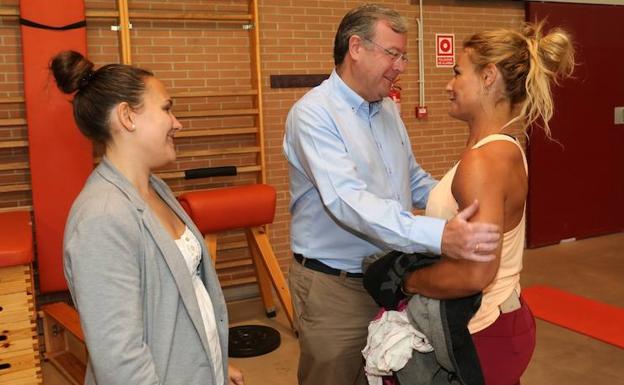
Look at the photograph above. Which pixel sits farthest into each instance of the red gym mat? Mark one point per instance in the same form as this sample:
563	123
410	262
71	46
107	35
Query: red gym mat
580	314
60	157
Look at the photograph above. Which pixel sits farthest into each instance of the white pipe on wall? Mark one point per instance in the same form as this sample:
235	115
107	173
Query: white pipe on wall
421	56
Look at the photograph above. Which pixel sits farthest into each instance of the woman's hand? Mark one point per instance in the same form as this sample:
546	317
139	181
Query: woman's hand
235	376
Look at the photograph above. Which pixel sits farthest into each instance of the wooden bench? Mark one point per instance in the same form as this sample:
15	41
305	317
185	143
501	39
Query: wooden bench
64	341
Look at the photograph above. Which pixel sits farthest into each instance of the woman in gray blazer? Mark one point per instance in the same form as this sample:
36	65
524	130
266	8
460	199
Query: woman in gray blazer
138	270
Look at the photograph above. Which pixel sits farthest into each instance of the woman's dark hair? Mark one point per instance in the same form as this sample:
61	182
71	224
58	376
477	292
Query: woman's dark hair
97	92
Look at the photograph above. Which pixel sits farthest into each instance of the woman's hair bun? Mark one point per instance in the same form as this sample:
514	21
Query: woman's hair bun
71	70
554	49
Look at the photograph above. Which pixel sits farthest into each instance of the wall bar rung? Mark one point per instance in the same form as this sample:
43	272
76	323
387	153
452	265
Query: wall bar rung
15	208
12	100
198	94
13	144
15	187
14	166
220	151
13	122
216	132
208	113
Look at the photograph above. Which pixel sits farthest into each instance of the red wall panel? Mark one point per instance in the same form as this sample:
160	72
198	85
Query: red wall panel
576	185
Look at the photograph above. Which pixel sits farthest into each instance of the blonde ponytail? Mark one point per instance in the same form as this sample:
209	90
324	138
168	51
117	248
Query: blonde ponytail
528	63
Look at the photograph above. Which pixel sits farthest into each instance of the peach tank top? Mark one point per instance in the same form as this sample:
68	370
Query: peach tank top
442	204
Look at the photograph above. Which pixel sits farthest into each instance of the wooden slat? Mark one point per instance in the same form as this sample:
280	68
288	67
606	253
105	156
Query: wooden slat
13	122
6	11
223	246
16	307
163	15
14	188
216	132
101	14
170	175
256	75
151	15
66	316
19	324
262	251
124	32
14	166
15	208
219	151
14	279
13	143
12	100
209	113
248	169
20	362
206	16
27	377
209	94
18	339
238	281
234	263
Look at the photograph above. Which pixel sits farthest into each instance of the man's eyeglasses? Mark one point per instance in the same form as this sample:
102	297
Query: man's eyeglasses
394	54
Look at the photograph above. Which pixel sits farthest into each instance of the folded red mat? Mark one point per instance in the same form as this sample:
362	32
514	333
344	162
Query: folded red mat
580	314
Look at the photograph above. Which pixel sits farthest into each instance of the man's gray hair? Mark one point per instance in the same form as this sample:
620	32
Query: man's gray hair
361	21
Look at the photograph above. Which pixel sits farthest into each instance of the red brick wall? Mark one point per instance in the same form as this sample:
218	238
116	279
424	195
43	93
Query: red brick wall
296	37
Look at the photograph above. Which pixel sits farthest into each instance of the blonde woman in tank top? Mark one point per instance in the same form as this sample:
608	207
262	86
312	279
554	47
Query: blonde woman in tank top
501	85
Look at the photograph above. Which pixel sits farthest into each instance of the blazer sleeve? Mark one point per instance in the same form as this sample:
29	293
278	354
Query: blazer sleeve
103	269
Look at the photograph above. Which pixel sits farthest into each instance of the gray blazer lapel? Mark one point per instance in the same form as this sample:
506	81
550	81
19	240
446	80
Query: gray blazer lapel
208	272
168	248
180	272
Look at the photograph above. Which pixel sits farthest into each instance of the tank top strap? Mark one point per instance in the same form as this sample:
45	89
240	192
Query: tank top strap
507	138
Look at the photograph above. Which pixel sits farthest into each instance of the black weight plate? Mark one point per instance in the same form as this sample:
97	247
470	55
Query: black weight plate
252	340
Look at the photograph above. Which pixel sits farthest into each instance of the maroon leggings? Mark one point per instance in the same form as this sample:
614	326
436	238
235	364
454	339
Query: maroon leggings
505	347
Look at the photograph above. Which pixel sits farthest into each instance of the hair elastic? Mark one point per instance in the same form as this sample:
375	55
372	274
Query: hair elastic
86	79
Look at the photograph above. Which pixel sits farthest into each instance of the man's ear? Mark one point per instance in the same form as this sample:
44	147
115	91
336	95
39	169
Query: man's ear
355	46
125	116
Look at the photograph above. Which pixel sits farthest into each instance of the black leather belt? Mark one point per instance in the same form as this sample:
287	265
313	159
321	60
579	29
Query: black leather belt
316	265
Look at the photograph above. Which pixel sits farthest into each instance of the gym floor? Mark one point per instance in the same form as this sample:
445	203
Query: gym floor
592	268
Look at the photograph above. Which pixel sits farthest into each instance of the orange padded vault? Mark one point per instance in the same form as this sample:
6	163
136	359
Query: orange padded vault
247	207
60	157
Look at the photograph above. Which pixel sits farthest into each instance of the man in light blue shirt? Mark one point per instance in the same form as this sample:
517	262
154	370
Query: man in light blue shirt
353	184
